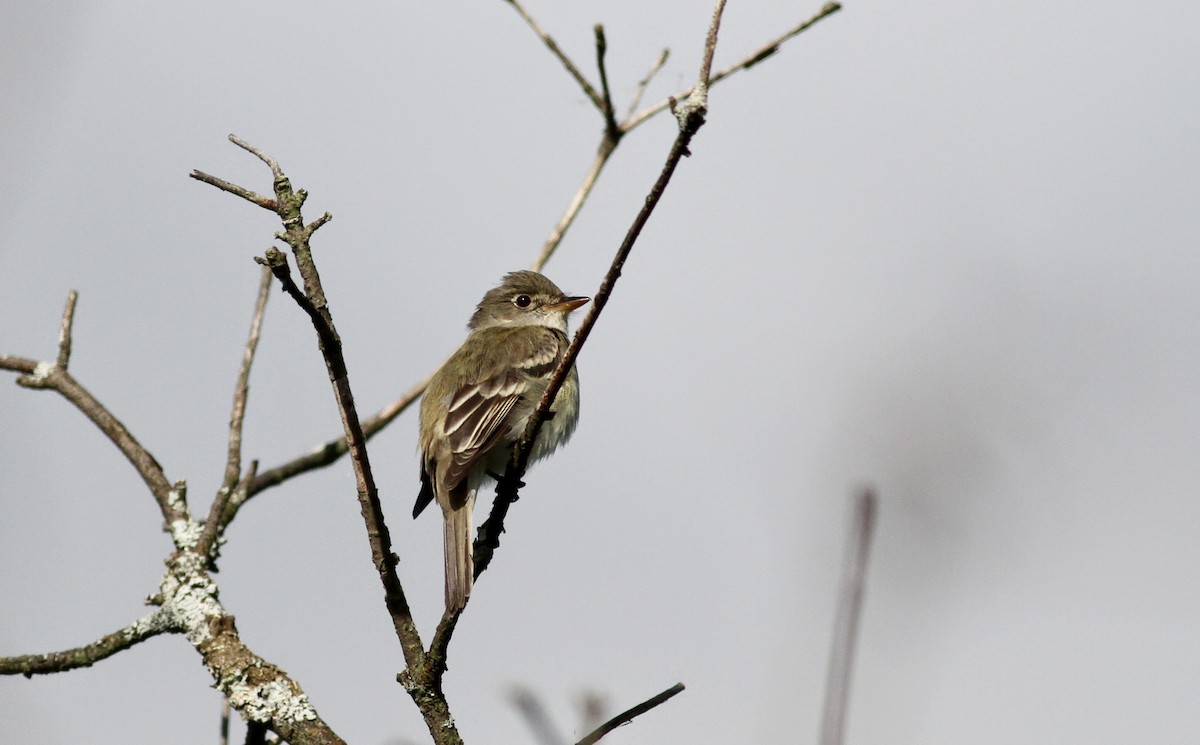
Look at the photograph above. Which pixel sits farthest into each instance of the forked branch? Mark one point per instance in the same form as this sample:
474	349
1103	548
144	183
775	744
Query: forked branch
691	118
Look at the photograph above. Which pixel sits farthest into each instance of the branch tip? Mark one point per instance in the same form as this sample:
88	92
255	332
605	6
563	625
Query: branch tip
273	164
629	714
64	331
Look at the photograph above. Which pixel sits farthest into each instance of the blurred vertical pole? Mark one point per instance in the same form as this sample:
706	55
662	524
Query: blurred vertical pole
849	611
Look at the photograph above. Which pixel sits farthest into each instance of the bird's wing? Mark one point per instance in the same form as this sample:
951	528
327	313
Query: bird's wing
477	413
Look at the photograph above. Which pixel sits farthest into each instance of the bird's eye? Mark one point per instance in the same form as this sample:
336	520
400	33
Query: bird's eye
522	301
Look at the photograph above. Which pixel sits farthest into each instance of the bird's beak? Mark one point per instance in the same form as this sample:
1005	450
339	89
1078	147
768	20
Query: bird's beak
567	304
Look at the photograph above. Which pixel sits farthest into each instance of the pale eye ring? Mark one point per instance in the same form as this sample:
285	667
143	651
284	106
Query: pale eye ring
522	301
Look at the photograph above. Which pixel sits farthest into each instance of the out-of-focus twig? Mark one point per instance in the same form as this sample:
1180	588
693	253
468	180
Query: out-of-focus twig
849	612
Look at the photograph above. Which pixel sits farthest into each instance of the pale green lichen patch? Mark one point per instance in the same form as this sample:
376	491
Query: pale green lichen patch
186	533
271	701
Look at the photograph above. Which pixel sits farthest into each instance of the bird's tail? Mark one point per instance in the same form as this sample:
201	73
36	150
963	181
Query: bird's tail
459	564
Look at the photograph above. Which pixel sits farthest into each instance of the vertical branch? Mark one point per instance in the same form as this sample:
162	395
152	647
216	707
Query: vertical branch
610	117
64	331
233	462
849	612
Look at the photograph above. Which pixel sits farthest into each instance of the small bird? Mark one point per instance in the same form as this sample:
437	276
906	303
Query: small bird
477	405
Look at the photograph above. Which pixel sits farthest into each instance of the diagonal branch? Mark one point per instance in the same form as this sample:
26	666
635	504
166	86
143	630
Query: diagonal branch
333	450
536	716
613	136
422	682
266	203
645	82
691	118
54	376
628	715
607	147
233	462
587	87
758	55
139	631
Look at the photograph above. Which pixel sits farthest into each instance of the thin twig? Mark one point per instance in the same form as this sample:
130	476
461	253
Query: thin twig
588	89
224	736
593	709
536	716
139	631
64	331
710	48
487	538
607	146
233	462
628	715
222	511
745	63
54	376
849	613
332	450
237	498
643	84
276	171
424	687
632	120
607	110
48	376
250	196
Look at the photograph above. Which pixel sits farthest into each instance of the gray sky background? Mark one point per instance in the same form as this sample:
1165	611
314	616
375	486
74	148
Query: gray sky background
948	248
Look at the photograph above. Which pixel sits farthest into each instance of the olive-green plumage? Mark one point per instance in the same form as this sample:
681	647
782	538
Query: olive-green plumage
477	405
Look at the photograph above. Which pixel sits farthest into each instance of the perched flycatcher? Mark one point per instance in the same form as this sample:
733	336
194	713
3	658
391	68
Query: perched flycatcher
477	405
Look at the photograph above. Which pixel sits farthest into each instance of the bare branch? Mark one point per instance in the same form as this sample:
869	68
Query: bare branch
643	84
587	87
607	146
745	63
422	681
849	613
536	716
256	688
22	365
710	48
64	331
233	491
628	715
233	462
106	646
276	171
333	450
488	536
607	110
250	196
632	120
49	376
222	511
